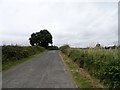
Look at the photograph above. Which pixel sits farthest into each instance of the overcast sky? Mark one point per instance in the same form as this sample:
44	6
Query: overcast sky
73	22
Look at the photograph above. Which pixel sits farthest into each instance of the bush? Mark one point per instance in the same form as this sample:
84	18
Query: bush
65	49
103	64
12	53
53	48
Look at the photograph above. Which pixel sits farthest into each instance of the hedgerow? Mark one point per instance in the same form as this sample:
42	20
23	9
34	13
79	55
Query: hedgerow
12	53
101	63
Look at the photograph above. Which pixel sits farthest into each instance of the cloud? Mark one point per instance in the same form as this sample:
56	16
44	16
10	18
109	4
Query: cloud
76	23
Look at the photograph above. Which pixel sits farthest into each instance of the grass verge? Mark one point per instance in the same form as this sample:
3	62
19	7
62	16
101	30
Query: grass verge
80	76
9	65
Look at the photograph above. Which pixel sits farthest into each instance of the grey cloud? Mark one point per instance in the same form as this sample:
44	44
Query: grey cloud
77	24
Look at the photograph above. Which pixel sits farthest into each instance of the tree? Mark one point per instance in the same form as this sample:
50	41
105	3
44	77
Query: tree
42	38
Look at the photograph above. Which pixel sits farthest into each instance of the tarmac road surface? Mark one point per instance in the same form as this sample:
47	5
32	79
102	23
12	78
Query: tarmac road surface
44	71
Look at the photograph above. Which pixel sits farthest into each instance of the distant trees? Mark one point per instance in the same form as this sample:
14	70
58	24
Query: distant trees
53	48
42	38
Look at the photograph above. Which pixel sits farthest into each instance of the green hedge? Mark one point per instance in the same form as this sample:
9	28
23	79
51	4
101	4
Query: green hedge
12	53
101	63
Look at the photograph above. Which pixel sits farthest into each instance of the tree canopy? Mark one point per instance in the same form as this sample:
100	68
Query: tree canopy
42	38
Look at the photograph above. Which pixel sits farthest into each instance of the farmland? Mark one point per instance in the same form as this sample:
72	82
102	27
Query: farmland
104	64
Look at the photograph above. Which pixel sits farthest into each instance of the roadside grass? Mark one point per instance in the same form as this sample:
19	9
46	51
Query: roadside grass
10	64
81	77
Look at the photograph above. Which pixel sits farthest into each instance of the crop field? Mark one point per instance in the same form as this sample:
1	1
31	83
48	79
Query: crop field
11	54
104	64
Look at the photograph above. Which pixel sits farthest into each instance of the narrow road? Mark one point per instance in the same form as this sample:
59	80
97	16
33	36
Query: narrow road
45	71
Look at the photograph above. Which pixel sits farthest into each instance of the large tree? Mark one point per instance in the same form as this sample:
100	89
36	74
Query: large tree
42	38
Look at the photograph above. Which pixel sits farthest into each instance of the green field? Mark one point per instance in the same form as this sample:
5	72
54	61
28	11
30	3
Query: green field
104	64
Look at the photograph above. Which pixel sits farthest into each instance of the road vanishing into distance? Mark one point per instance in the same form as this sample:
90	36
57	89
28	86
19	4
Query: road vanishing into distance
43	71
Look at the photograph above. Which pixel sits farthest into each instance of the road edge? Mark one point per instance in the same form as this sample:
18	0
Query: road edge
67	70
24	60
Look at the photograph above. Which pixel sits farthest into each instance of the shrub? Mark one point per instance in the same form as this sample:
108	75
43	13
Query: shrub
65	49
53	48
102	63
12	53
